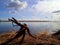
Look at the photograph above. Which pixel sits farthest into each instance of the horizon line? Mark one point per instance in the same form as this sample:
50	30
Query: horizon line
30	21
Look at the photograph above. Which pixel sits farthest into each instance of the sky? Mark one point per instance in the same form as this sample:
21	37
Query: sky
30	9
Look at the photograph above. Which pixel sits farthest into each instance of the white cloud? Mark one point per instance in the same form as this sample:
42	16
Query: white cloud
17	5
56	17
47	6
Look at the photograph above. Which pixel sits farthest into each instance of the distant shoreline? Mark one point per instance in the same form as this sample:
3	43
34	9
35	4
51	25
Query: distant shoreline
29	21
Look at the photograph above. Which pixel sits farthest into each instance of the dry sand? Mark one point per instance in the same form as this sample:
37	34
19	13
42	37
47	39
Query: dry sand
41	39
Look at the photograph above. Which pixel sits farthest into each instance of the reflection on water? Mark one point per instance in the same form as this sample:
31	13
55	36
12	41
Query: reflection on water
34	27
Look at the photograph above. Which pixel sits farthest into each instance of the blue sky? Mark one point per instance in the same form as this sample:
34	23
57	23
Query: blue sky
30	9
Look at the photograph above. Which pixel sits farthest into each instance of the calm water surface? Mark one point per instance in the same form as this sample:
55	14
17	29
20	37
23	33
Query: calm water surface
34	27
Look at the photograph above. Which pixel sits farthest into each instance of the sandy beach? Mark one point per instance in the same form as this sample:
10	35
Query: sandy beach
41	39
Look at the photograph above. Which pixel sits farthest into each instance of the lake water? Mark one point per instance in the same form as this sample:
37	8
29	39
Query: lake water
34	27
